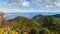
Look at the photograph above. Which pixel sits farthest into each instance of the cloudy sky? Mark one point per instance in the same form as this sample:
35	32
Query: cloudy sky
30	5
29	8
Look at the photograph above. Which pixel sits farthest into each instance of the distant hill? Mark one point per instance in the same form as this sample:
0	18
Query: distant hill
56	15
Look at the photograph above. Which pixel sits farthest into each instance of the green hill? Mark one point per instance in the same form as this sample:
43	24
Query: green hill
48	22
23	24
39	24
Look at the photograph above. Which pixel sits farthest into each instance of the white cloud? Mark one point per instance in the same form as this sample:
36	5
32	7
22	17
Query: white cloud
25	4
12	10
49	6
21	5
15	7
57	4
47	0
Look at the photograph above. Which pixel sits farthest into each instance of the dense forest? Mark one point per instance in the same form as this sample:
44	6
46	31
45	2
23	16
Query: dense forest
39	24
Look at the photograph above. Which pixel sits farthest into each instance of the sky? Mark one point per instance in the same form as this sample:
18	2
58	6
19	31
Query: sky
29	8
11	15
30	5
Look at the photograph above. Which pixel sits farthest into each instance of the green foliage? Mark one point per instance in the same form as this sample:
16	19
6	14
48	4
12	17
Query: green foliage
33	31
23	24
49	22
37	25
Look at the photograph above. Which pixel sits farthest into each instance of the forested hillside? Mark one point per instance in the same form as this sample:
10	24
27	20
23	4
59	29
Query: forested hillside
23	24
52	23
39	24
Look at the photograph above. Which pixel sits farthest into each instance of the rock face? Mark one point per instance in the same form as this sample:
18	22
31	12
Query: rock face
3	20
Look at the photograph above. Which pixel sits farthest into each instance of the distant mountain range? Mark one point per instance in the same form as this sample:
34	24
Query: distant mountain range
55	15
